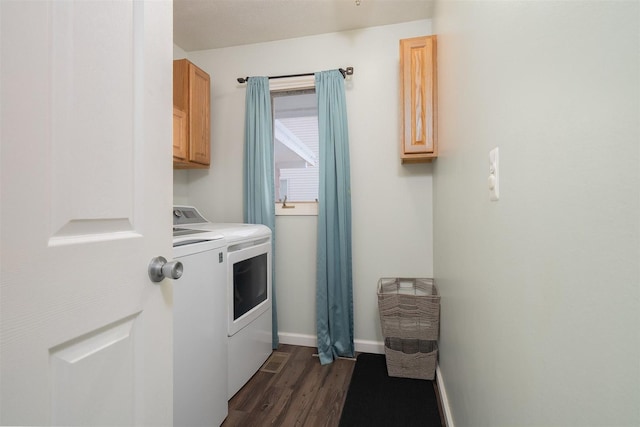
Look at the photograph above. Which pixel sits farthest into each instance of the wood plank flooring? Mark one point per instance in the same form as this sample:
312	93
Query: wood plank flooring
303	393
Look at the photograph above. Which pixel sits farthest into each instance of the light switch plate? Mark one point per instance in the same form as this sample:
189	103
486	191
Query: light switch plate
494	175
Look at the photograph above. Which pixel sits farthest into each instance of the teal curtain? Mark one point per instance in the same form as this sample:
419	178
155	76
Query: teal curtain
259	201
334	292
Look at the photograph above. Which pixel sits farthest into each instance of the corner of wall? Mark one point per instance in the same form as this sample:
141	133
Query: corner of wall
178	52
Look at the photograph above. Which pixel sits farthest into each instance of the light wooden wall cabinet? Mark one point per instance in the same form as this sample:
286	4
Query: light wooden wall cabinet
191	116
418	97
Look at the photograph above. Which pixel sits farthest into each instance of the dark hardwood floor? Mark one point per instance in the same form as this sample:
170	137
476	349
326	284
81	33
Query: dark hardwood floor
303	393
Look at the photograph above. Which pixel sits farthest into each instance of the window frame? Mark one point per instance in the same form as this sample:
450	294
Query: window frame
286	85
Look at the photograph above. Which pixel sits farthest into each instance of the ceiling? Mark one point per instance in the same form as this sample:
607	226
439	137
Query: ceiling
212	24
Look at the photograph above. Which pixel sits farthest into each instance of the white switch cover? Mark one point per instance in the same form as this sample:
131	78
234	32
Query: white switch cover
494	182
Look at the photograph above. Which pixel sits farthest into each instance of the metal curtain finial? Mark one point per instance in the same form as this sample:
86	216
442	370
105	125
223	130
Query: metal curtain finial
347	72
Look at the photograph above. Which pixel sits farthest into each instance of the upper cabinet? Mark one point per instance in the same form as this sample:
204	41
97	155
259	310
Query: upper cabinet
191	116
418	97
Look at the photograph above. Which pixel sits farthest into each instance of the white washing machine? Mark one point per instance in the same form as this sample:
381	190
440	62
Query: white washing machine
199	329
248	293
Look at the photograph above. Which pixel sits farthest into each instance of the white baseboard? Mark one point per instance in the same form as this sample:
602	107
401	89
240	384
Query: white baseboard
362	346
444	400
298	339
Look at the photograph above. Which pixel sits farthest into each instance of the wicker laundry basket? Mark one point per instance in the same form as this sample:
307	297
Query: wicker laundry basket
409	308
411	358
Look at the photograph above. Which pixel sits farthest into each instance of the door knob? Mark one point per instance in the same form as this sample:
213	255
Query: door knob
159	268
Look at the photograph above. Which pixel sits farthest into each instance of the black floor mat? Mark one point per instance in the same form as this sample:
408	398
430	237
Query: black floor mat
375	399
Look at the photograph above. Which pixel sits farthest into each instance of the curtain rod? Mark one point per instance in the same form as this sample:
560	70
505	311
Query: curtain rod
345	72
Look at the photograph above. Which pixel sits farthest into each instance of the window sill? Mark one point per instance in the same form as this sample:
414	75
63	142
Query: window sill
297	209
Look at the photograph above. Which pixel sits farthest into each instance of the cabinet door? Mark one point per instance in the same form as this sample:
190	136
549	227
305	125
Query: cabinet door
418	93
199	129
179	135
181	84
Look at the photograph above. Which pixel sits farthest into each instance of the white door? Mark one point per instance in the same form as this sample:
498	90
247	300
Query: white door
86	337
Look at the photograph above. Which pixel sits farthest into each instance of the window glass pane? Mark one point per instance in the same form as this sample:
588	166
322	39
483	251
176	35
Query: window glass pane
296	148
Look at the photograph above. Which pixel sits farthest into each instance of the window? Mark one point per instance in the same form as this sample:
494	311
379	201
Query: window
296	151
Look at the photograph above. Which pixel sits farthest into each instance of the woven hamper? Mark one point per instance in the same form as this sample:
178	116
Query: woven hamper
411	358
409	308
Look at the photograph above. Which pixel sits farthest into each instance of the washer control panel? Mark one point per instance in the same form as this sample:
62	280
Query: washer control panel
183	215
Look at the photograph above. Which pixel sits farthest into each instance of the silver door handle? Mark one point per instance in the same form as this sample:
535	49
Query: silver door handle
159	268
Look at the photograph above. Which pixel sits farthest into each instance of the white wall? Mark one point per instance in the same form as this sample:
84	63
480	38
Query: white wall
540	290
180	176
391	203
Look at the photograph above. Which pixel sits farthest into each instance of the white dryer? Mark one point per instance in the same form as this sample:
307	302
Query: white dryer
248	293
